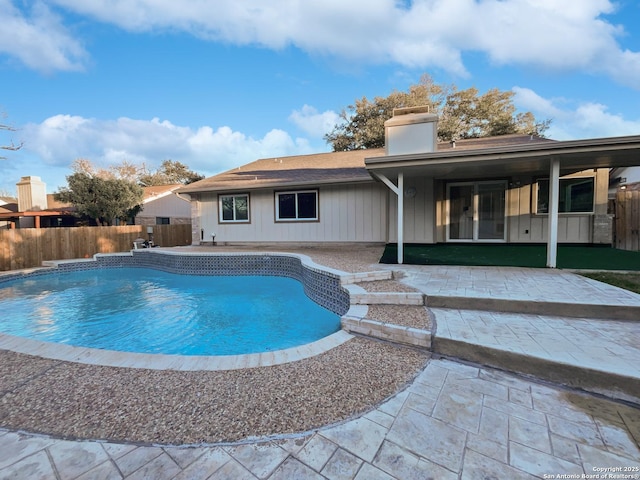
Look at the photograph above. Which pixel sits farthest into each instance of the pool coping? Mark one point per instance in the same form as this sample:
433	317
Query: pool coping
155	361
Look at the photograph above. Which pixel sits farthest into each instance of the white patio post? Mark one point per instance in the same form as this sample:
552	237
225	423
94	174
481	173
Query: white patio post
554	196
398	190
400	218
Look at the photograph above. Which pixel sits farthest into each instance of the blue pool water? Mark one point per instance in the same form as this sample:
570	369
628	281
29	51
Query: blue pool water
149	311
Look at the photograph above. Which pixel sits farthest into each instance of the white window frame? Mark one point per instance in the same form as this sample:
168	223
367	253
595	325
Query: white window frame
296	193
234	196
565	179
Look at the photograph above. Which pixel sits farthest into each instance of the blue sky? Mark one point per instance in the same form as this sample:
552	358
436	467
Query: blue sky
218	83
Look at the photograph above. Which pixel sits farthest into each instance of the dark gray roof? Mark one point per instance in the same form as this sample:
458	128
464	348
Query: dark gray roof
325	168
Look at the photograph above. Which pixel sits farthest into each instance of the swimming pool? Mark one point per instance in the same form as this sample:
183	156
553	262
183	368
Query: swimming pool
92	287
150	311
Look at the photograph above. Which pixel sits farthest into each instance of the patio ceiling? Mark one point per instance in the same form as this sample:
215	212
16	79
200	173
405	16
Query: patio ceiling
514	160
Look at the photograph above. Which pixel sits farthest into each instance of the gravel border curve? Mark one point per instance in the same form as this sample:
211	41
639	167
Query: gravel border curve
77	401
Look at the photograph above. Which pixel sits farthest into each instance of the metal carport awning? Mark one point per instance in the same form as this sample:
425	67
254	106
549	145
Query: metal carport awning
554	159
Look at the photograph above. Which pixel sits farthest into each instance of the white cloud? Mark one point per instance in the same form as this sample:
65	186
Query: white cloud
549	34
61	139
575	121
528	100
38	39
316	124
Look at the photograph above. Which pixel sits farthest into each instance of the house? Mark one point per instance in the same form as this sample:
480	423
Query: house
513	188
163	206
327	197
623	178
34	208
8	205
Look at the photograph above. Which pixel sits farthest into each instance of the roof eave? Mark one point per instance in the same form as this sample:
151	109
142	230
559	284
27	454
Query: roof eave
276	185
575	155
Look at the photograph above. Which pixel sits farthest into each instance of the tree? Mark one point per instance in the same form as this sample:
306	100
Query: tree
462	114
102	199
169	173
124	170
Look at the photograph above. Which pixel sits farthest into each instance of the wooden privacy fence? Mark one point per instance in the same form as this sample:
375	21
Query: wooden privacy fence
29	247
628	220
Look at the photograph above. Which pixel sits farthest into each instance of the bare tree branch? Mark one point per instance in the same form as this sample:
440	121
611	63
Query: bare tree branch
12	146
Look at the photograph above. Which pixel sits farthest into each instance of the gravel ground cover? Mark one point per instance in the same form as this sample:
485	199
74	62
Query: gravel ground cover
414	316
79	401
386	286
360	258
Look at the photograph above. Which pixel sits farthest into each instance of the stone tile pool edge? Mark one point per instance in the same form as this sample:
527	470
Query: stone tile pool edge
321	284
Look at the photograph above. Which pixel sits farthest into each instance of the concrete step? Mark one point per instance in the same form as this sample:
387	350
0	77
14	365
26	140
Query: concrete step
360	277
387	298
565	309
354	321
359	296
596	355
388	331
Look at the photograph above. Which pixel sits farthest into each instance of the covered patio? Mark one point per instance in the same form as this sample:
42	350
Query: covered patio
549	159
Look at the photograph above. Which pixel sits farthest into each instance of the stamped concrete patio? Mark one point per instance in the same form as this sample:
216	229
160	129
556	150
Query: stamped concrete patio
458	419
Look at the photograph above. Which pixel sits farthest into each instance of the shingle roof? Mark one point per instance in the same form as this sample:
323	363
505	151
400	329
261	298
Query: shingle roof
158	190
9	207
323	168
493	142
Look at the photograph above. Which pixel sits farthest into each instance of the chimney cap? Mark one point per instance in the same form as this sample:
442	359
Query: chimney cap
410	115
31	178
410	110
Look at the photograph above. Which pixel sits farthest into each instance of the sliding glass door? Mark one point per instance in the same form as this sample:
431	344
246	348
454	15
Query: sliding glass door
476	211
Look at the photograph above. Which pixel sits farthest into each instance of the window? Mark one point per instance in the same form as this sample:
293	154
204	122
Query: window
476	211
234	208
576	195
297	206
163	221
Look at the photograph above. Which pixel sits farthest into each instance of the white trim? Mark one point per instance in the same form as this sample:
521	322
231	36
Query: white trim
399	191
400	218
388	183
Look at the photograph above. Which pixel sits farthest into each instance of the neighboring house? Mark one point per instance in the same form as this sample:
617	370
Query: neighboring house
34	208
623	178
499	189
163	206
8	205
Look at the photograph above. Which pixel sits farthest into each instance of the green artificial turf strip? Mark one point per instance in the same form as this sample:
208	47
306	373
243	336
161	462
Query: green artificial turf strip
584	257
628	281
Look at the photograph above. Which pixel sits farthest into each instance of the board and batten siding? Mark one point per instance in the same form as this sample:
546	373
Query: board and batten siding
348	213
425	213
524	225
419	212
